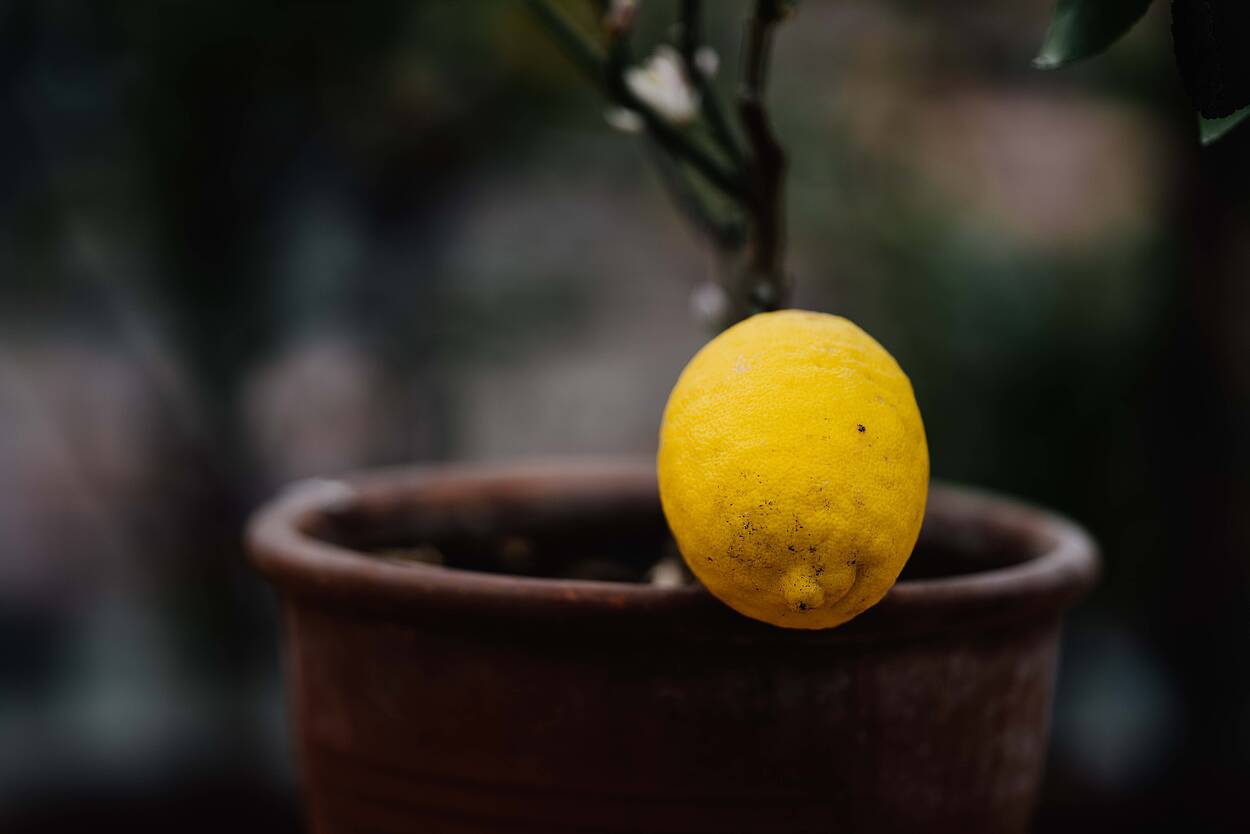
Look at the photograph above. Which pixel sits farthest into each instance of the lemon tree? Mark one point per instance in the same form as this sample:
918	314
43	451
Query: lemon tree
793	468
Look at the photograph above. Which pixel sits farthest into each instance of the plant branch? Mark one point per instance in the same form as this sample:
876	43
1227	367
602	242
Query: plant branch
576	45
725	231
766	270
591	61
732	191
680	144
713	109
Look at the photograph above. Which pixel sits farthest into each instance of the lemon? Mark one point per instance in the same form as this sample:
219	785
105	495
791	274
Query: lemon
793	468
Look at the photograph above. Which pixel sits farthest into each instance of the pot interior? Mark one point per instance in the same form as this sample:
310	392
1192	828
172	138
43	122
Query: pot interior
609	535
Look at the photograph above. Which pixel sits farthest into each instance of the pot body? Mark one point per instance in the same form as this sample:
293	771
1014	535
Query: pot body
433	699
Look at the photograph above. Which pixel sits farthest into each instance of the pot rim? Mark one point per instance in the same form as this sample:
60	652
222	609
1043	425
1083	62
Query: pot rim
1062	562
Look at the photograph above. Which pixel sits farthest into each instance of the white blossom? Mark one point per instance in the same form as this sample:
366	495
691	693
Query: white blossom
667	573
706	61
623	119
661	84
709	302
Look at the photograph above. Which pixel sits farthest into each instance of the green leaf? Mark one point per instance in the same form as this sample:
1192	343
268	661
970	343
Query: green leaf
1081	28
1209	37
1212	130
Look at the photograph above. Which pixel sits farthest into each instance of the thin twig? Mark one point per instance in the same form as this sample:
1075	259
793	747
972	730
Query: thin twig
591	61
681	145
620	52
713	109
766	271
577	47
728	233
701	209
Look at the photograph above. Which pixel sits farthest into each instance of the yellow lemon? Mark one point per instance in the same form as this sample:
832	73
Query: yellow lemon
793	468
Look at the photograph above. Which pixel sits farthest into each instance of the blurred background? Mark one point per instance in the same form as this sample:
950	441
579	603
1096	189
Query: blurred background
242	243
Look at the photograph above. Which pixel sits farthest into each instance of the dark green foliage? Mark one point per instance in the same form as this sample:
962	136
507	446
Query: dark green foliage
1210	40
1212	130
1082	28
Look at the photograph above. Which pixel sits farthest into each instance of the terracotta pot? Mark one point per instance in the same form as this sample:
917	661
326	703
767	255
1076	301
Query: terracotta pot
463	699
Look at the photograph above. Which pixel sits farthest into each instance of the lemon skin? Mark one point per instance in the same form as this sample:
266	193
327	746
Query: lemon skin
793	468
